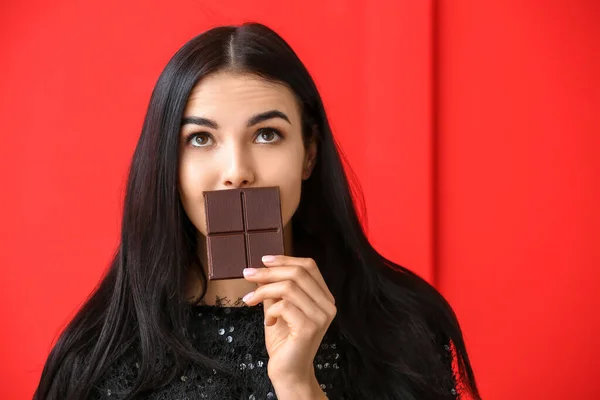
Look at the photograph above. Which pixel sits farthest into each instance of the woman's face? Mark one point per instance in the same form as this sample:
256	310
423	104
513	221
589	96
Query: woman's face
241	131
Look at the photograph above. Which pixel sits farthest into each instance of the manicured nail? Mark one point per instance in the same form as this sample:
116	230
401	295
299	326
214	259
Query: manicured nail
250	271
248	297
268	259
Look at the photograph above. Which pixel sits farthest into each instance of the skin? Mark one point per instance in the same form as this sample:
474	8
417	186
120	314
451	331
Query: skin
298	306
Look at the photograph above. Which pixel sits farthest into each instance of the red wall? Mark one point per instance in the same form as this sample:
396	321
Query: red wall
519	175
469	126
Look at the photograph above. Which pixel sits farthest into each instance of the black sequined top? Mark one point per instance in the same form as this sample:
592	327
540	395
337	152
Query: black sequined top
234	335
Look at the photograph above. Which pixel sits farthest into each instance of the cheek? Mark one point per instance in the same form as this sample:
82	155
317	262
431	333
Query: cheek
288	176
191	185
290	198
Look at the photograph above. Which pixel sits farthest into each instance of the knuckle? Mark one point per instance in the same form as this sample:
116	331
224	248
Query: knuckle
284	305
288	286
332	311
298	271
322	318
275	309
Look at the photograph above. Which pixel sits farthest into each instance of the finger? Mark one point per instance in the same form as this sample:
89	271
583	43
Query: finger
296	274
307	263
296	320
292	293
268	302
288	312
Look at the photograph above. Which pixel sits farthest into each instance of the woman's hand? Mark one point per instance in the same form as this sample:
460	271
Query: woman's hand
298	309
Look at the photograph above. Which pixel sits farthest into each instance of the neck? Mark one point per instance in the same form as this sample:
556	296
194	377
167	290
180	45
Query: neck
231	289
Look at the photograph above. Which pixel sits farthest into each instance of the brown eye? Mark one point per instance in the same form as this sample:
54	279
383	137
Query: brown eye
200	139
267	136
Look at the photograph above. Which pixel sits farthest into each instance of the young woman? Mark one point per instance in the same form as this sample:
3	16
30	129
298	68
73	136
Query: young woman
235	108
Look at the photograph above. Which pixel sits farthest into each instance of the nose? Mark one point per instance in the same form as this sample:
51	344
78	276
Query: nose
238	170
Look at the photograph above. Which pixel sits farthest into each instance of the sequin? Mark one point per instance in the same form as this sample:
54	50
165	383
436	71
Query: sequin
453	391
213	332
108	392
446	347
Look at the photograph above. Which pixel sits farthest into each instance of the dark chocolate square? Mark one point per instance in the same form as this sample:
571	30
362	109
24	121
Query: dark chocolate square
231	263
225	210
260	244
258	206
243	225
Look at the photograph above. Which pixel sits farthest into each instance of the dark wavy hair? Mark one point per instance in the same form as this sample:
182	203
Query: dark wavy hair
396	323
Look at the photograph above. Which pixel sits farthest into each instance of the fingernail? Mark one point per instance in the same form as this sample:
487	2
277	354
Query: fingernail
250	271
268	258
248	297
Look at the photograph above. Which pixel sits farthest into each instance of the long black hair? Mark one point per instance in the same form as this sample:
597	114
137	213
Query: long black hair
398	325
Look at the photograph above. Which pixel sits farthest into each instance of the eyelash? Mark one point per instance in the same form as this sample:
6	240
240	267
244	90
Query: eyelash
191	136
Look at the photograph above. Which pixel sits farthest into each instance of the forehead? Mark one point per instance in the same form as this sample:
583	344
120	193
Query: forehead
221	93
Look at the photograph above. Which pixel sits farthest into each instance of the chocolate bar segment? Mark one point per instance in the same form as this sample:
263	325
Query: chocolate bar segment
242	225
259	244
229	262
224	211
259	204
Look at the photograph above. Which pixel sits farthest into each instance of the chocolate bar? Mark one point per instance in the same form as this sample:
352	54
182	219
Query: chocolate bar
242	226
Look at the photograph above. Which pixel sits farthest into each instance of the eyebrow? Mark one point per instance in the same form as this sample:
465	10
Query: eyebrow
256	119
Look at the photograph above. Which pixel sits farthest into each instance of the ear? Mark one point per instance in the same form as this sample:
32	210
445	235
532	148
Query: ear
310	160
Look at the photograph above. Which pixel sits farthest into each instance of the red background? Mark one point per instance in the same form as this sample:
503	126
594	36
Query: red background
472	127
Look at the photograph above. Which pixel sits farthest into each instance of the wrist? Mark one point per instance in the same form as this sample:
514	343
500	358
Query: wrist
299	390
